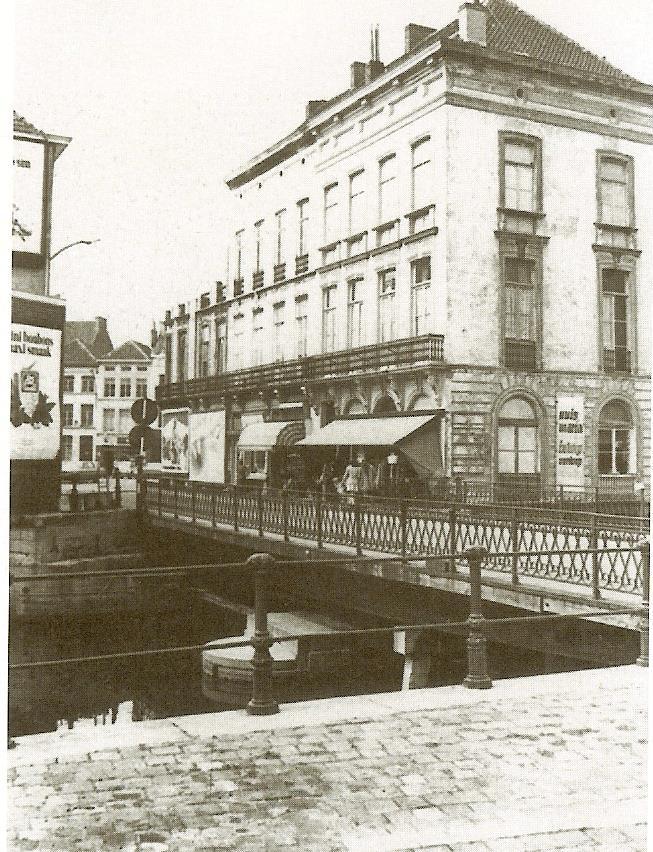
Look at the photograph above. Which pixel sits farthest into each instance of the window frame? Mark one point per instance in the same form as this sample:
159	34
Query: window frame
88	384
258	242
109	381
386	298
515	424
426	141
630	427
301	326
355	315
628	161
281	230
329	317
302	222
69	379
418	289
505	138
355	226
383	214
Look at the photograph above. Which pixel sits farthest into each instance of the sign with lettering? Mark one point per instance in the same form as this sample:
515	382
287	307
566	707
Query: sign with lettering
207	440
34	413
27	208
174	440
570	441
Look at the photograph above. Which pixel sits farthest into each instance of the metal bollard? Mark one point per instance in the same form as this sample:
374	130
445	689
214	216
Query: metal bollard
262	703
477	676
645	547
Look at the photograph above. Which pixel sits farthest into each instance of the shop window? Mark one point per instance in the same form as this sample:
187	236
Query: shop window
616	454
420	273
517	438
615	310
86	448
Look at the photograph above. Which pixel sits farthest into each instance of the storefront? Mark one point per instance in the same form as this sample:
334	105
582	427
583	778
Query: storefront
266	454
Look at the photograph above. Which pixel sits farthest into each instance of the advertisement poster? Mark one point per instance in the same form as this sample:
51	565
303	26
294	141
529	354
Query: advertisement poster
570	441
34	412
207	438
27	208
174	440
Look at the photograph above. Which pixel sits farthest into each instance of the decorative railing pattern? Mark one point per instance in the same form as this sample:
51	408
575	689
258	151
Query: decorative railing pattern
599	552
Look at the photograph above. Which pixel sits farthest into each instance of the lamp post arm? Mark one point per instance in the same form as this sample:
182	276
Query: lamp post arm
70	245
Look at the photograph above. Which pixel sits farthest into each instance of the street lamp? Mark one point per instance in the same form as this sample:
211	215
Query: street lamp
70	245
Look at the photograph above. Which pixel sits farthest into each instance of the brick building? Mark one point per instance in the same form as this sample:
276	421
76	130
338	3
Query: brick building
433	240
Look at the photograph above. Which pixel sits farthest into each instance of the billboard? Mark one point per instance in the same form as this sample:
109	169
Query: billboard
207	441
174	440
34	411
27	207
570	441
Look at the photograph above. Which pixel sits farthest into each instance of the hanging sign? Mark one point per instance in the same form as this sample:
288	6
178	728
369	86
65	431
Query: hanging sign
570	441
27	208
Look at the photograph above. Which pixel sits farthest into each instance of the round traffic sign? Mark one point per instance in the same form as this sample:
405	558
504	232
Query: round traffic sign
144	411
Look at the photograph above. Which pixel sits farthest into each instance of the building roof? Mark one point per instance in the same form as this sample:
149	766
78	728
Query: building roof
77	354
132	350
511	33
92	333
22	125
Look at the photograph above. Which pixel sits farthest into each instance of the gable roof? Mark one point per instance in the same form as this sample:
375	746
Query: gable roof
511	30
77	354
132	350
91	333
22	125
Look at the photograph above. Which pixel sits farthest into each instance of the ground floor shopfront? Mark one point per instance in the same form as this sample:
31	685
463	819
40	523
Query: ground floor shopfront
488	428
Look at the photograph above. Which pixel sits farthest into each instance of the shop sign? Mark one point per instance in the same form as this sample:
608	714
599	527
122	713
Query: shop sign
174	440
570	441
27	208
207	442
34	412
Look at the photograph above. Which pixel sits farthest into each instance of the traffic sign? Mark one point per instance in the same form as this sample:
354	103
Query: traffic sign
144	411
142	439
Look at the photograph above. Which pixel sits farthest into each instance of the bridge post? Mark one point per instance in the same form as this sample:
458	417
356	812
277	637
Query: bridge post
284	512
594	547
193	501
514	544
213	499
235	499
262	703
645	548
453	521
260	511
158	496
477	676
318	518
176	512
357	526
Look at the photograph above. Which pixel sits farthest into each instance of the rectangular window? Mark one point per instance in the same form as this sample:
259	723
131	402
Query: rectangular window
388	191
67	412
615	321
221	347
357	217
110	387
517	449
278	319
126	422
302	213
258	236
239	254
141	388
422	179
614	451
87	415
355	328
330	212
615	191
109	420
420	271
125	388
88	384
387	290
67	447
237	355
182	355
329	319
280	217
257	339
520	181
301	326
205	343
68	383
86	448
520	300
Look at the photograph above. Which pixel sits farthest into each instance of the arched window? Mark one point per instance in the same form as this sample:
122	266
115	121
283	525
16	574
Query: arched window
517	438
385	405
355	407
616	439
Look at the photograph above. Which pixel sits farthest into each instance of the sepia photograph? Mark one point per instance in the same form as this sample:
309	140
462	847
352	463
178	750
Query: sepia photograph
329	425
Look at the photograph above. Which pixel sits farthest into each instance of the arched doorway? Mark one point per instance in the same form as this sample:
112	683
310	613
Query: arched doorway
518	448
385	405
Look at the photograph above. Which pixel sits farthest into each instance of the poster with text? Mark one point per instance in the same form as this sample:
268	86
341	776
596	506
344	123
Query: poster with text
34	413
27	207
570	441
174	440
207	438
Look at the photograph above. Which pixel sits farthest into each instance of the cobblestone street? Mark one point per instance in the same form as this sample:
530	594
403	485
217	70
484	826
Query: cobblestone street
554	762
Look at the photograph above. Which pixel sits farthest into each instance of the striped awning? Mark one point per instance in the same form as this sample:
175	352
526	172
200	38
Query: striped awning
265	436
366	431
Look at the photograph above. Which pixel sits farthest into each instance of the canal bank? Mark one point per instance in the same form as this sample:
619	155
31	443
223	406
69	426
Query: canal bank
555	761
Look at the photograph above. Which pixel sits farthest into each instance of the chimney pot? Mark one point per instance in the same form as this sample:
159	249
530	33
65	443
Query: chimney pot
414	34
313	107
357	74
472	22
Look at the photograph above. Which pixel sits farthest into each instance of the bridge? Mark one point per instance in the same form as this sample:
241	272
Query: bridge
542	559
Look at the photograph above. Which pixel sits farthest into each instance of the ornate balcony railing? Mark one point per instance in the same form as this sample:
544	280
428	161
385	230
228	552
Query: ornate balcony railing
301	264
239	286
257	279
279	273
381	357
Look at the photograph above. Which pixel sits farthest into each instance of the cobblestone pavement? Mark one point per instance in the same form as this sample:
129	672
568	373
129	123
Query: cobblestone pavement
556	762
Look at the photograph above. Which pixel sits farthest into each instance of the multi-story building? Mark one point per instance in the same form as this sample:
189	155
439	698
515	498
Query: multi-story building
37	321
124	375
84	342
462	233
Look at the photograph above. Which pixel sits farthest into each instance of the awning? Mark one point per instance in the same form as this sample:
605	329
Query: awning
265	436
366	431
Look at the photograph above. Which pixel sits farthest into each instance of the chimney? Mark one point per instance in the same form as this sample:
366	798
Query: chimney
100	324
357	74
414	34
472	22
168	319
374	67
154	336
313	107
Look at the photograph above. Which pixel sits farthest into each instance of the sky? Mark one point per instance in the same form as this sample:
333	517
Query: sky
164	98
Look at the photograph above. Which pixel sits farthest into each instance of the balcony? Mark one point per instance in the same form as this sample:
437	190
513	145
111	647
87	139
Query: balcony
239	286
616	361
257	280
382	357
279	273
301	264
520	354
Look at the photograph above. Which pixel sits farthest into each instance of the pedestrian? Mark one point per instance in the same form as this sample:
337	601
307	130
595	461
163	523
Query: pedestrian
351	480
